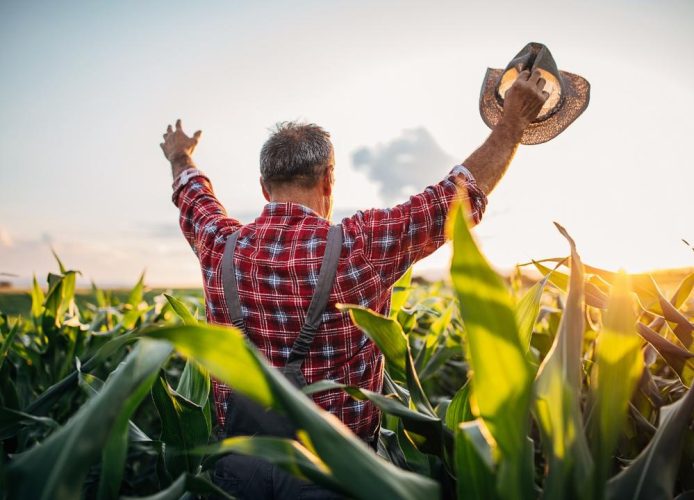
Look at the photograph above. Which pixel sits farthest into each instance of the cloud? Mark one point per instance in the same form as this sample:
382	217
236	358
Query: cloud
404	164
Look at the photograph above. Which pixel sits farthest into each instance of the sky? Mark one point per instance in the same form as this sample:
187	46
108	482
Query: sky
88	88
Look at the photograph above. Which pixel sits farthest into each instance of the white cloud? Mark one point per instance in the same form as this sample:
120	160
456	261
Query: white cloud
404	164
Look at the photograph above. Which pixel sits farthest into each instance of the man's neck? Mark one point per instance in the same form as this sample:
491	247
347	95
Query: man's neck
301	197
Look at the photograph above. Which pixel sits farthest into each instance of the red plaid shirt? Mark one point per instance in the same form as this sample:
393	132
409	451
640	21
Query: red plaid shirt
277	262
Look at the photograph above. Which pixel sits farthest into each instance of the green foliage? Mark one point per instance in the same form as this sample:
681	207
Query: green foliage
63	459
557	395
653	473
576	386
343	453
618	366
474	462
502	382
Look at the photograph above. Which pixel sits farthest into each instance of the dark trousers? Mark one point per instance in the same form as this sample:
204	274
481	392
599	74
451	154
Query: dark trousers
256	479
253	478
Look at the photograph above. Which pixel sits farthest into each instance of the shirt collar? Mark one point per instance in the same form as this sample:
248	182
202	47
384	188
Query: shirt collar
287	209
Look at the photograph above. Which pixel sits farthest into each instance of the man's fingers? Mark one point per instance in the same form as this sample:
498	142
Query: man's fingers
545	95
178	125
541	83
197	135
535	77
524	75
161	145
169	129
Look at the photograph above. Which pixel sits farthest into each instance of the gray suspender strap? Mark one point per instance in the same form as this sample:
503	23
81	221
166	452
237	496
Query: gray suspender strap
231	290
319	301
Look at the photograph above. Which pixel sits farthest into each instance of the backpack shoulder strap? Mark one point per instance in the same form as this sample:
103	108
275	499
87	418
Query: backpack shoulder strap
231	290
326	278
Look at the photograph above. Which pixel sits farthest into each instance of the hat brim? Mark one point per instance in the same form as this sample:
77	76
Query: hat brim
575	97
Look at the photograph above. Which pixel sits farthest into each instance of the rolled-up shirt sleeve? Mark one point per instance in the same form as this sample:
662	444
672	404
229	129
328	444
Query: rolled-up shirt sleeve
203	219
397	237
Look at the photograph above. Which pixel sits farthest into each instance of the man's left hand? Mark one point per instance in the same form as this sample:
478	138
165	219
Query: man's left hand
178	147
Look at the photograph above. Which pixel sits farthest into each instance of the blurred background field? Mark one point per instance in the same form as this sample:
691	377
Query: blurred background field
16	301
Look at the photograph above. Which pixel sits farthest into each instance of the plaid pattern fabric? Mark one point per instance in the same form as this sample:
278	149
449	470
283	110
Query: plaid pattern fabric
277	260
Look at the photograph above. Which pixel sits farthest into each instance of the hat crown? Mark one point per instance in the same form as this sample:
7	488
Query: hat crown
535	56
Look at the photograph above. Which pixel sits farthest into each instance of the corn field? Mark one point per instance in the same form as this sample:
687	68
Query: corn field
576	387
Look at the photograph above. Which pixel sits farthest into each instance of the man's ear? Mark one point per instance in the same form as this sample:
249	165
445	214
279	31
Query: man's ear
327	182
266	193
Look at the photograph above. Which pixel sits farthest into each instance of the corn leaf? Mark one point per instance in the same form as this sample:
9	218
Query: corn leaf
113	457
194	384
422	424
181	310
474	462
389	448
114	454
401	290
91	386
186	483
459	410
683	291
682	327
184	426
214	347
677	300
8	340
502	378
291	455
62	268
434	345
679	359
417	395
641	283
557	391
43	403
37	300
619	363
62	461
652	475
386	333
527	309
593	295
137	293
11	420
385	403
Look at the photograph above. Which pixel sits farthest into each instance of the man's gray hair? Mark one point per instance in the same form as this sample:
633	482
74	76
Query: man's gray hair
295	153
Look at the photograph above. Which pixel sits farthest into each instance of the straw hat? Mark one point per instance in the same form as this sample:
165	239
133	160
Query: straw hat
569	94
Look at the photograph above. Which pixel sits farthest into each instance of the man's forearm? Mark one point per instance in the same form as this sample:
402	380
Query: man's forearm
179	164
489	162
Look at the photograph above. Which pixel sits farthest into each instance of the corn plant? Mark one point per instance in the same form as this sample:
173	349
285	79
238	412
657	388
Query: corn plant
578	386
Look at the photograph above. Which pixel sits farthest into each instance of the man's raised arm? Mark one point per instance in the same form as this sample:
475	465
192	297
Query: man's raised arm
522	103
394	239
203	220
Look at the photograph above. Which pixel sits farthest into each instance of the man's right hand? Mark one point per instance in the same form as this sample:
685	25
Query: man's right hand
522	104
178	148
524	100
